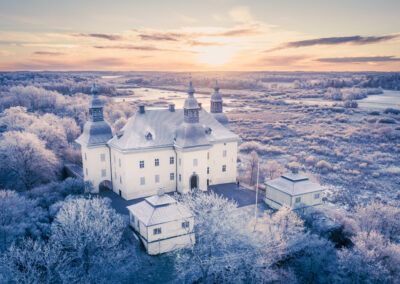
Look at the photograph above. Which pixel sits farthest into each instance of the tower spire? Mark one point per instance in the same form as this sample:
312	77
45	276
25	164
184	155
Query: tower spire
95	106
216	100
191	107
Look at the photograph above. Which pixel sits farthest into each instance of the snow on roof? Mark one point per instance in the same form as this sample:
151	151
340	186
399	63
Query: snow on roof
158	209
294	184
164	126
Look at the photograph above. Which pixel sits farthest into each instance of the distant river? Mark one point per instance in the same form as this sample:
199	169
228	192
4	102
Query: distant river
389	99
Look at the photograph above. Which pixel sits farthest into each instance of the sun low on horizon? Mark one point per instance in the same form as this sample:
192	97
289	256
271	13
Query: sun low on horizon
225	35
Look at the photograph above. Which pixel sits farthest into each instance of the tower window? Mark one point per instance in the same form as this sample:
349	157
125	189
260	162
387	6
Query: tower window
180	178
157	178
156	231
208	170
102	157
171	160
171	176
157	162
149	136
103	172
120	179
141	164
195	162
142	181
224	168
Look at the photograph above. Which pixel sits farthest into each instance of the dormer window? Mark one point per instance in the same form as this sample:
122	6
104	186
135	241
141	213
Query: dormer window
149	136
208	130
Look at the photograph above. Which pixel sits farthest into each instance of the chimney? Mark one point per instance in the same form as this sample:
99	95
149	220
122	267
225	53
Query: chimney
141	109
295	170
171	107
199	105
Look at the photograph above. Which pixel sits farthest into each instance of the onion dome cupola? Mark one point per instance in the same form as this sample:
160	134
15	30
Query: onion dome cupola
190	134
216	108
191	107
96	131
216	100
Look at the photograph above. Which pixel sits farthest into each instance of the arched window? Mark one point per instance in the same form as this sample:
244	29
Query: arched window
149	136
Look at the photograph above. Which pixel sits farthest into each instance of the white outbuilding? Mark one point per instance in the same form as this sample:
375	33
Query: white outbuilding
162	223
294	190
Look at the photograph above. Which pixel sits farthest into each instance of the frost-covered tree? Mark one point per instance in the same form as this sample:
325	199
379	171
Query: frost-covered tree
19	217
88	233
251	167
227	249
31	262
25	162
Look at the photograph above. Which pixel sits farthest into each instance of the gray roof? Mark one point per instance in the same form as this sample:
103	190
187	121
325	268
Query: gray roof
294	184
95	133
159	209
222	118
168	130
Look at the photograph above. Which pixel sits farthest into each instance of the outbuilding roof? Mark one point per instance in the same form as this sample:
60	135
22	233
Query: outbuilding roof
168	129
294	184
158	209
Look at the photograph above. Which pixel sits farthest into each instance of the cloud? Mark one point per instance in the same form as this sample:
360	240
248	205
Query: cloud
203	43
283	60
241	14
130	47
102	36
160	36
357	40
48	53
358	59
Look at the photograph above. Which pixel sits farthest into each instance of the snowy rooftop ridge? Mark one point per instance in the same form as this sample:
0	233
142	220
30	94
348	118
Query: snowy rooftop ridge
294	184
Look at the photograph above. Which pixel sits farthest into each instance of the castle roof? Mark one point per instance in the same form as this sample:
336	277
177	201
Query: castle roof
163	128
294	184
158	209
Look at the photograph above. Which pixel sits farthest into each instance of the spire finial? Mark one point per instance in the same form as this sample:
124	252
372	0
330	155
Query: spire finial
94	89
216	87
191	89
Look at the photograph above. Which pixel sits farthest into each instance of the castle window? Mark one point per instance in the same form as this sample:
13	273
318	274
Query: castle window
298	199
149	136
119	162
103	172
102	157
156	162
120	179
316	196
195	162
171	176
185	224
208	170
224	153
171	160
208	155
180	161
142	181
114	159
115	175
86	171
85	157
224	168
157	178
156	231
180	178
141	164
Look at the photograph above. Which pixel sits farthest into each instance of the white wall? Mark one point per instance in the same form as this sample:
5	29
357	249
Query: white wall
187	168
275	199
93	166
130	173
217	160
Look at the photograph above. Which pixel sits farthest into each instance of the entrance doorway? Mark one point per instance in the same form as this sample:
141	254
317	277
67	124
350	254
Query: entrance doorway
194	182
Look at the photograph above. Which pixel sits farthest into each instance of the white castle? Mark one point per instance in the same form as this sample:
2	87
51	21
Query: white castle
177	150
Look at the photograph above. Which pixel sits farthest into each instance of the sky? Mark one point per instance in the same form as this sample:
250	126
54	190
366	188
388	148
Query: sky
206	35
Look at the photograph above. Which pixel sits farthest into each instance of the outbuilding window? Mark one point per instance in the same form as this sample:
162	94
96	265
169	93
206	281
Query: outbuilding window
185	225
298	199
156	231
208	170
180	178
316	196
224	153
119	162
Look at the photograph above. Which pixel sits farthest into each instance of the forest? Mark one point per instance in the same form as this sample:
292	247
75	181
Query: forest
53	231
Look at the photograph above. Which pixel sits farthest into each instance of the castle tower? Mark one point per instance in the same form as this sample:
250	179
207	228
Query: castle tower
93	141
216	107
191	145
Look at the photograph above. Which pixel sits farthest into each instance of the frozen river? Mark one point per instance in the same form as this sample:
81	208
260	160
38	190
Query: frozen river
389	99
